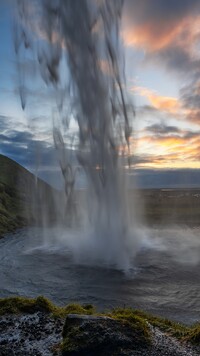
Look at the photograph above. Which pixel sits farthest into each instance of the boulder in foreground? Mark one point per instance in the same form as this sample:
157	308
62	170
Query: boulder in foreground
100	335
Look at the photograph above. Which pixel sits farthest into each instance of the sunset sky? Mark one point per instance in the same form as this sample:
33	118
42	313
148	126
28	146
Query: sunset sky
162	55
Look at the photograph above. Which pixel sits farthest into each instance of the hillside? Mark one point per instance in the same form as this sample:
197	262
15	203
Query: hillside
22	196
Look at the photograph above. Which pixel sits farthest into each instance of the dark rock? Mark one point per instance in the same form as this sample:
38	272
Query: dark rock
95	336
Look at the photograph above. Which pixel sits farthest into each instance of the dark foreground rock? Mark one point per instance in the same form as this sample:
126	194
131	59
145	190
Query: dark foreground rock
40	334
103	336
93	335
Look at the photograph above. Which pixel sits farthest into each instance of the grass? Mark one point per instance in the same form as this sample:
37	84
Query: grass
193	334
175	329
18	305
180	331
138	319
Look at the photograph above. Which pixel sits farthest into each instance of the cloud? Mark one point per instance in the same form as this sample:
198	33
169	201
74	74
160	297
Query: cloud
21	145
168	32
160	145
190	96
165	11
177	59
170	105
161	129
152	161
145	36
185	108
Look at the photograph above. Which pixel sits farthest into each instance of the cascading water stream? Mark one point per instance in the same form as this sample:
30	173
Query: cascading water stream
84	36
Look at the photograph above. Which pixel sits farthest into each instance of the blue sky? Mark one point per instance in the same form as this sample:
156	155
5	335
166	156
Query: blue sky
162	55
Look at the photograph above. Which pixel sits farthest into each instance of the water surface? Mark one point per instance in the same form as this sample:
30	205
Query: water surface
164	280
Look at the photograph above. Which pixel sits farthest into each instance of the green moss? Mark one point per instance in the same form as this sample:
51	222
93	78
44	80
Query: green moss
16	305
43	304
75	308
193	334
138	323
175	329
89	308
79	309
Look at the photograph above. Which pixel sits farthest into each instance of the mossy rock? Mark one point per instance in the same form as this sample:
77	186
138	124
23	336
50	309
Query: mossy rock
101	335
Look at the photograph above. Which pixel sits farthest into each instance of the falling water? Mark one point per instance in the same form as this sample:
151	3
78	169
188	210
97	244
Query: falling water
83	37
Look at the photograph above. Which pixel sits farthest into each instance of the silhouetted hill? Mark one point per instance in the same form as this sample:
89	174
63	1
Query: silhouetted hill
22	197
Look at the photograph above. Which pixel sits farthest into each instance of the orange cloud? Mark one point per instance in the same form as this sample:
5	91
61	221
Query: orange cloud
147	36
164	103
156	147
155	36
176	107
171	143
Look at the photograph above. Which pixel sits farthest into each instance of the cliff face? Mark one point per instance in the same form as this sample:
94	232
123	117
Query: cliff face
23	197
